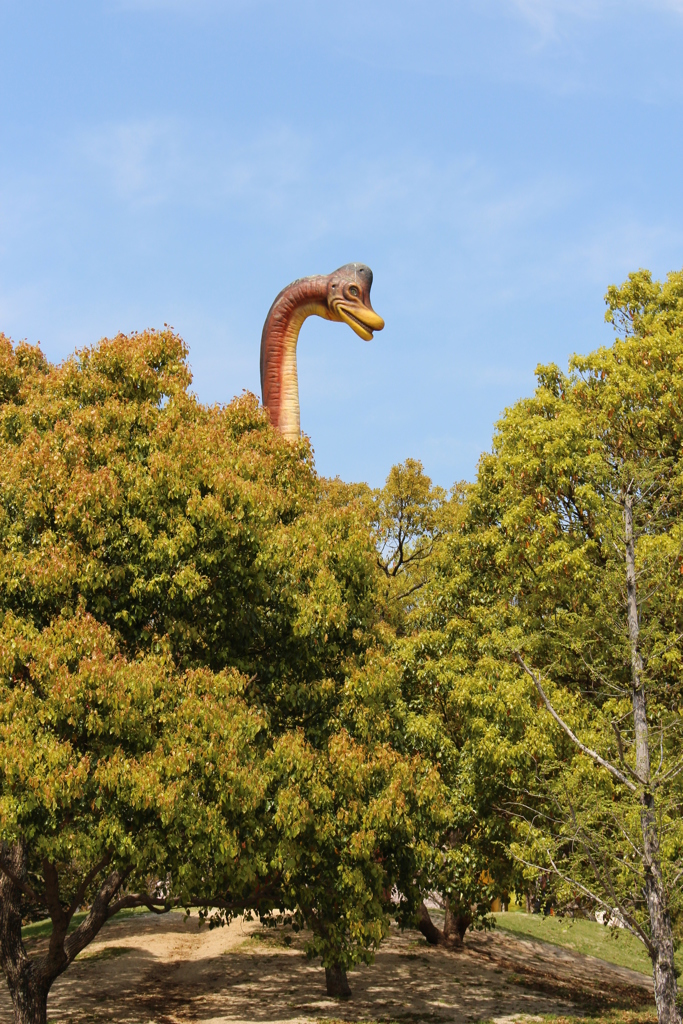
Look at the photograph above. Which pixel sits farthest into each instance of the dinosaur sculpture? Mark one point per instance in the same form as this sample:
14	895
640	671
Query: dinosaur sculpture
342	296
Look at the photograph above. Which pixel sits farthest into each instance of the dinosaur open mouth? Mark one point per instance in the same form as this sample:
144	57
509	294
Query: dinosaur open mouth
362	327
359	323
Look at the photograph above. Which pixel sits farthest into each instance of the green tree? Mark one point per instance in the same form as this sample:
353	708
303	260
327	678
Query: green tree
578	512
408	523
189	603
108	766
463	711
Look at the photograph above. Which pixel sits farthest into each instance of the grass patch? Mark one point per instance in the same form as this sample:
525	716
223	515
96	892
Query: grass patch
108	953
615	945
648	1016
41	929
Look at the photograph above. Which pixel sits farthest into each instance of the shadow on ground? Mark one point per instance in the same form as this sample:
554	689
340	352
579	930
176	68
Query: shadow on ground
167	970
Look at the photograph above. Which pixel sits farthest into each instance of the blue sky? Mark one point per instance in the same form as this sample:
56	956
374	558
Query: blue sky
497	163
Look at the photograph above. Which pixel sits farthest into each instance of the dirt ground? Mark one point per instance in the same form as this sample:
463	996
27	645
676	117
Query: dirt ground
167	970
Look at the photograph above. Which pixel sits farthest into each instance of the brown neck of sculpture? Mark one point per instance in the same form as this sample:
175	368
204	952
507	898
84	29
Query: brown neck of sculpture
279	380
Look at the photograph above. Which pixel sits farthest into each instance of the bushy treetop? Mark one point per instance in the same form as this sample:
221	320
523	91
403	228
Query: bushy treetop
170	521
186	611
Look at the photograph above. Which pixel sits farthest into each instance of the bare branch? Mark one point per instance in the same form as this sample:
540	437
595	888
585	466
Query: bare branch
83	887
411	590
672	773
134	900
97	915
573	737
620	744
632	925
158	905
60	922
626	836
661	751
672	643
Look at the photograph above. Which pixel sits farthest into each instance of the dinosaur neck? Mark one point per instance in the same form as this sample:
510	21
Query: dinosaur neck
279	381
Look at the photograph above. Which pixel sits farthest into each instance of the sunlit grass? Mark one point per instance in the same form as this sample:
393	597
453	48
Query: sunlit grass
39	929
616	945
108	953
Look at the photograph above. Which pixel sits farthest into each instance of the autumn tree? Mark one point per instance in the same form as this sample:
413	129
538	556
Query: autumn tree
544	648
107	777
184	604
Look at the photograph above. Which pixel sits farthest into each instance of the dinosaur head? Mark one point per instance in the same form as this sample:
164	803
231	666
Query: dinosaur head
348	299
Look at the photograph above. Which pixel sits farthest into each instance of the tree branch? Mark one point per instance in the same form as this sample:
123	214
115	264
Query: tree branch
162	906
672	772
83	887
573	737
60	921
15	880
97	915
411	590
134	900
632	925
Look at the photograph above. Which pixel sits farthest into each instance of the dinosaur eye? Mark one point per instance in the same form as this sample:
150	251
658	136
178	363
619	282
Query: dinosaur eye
354	291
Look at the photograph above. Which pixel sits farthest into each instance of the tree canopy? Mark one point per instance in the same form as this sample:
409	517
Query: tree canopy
185	606
227	683
547	640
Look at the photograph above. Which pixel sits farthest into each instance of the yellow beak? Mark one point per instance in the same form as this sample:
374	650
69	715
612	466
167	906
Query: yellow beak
360	319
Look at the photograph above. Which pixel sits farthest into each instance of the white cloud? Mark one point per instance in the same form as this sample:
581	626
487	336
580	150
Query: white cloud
139	158
547	16
457	219
282	183
435	219
625	243
156	161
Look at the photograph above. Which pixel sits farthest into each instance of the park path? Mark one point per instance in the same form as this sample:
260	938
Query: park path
167	970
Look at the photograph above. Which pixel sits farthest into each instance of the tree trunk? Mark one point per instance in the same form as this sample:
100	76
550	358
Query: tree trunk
453	932
427	926
337	982
666	988
661	937
29	981
29	1001
455	926
28	992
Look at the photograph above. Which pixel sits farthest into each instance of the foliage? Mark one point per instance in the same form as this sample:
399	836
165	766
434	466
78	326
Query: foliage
110	760
163	518
228	683
408	514
576	516
552	499
476	733
137	763
530	574
183	605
